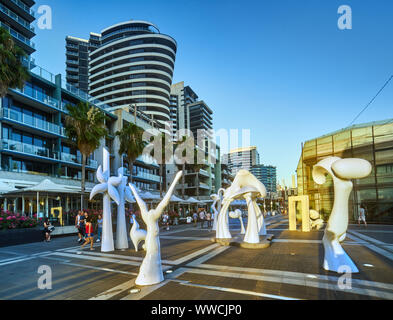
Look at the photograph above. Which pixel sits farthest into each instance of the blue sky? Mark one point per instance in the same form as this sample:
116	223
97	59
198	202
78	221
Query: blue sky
282	69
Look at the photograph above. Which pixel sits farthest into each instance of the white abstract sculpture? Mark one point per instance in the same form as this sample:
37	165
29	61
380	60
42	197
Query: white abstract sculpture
237	214
137	235
315	220
342	170
216	206
107	186
246	185
151	269
124	195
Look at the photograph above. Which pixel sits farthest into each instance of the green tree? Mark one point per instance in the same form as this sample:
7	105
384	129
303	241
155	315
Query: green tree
182	166
131	144
12	72
196	167
85	126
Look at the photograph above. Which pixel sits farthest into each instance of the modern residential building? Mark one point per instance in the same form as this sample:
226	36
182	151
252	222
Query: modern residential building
77	63
241	158
267	175
181	97
226	176
131	63
201	119
370	141
190	113
16	16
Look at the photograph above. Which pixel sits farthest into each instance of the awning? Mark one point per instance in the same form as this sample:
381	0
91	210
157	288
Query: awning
5	187
46	186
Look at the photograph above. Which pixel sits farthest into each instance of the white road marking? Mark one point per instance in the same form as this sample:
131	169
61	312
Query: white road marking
297	241
102	259
16	261
149	289
298	275
304	283
372	247
99	268
247	292
185	238
208	256
114	291
193	255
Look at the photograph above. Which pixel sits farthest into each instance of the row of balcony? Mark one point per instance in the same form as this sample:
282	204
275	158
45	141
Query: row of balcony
192	185
15	17
144	175
28	149
17	35
24	7
33	122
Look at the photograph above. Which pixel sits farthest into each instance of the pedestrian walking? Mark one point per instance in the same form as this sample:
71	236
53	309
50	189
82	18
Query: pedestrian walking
209	220
195	218
165	220
362	215
78	225
89	235
99	228
202	217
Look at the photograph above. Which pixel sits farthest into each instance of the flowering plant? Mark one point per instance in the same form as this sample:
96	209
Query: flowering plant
9	220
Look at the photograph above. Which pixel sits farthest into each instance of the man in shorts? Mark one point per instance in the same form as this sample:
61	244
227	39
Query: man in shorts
362	215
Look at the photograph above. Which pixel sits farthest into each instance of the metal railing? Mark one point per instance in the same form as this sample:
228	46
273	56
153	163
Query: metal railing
16	18
25	148
17	35
30	121
21	5
39	96
74	159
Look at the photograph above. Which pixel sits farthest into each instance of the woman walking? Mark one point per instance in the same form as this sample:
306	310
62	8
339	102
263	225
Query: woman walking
89	235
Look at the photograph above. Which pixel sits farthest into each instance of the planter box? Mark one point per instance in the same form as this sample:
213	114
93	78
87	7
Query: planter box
20	236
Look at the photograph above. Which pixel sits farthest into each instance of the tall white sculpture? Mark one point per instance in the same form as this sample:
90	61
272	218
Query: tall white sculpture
237	214
107	187
245	185
121	228
151	269
137	235
342	171
216	206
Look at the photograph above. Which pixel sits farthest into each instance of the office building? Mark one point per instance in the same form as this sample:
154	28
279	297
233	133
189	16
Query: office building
267	175
370	141
241	158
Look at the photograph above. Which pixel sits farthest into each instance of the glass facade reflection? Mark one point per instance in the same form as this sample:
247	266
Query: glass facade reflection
370	141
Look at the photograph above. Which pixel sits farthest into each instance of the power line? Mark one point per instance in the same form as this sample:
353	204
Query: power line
371	101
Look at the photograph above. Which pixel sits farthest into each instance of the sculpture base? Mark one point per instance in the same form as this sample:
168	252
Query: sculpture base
237	241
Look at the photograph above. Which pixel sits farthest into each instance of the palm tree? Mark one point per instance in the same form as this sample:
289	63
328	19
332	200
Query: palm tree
182	166
196	167
131	144
85	126
12	72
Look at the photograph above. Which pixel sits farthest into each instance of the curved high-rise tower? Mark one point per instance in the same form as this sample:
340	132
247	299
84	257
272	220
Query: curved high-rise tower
133	64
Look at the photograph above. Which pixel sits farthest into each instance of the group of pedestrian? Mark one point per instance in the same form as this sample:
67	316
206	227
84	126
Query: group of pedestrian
204	216
83	223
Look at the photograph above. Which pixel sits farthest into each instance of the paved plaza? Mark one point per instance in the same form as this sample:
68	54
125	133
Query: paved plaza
197	269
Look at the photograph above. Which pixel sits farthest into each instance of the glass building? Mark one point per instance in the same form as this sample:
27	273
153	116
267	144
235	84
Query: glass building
370	141
267	175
